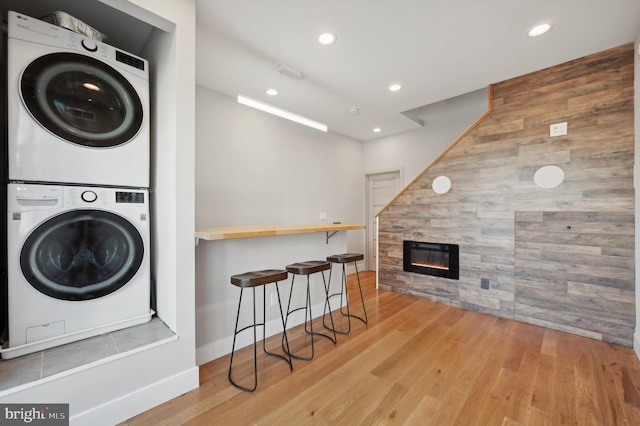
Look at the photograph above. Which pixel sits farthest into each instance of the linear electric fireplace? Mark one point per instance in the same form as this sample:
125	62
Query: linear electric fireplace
440	260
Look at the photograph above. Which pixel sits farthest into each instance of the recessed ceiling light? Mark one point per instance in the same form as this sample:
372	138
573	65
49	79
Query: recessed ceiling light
377	130
272	92
395	87
538	30
327	39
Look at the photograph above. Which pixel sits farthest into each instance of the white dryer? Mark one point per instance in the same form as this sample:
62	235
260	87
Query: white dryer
78	263
78	108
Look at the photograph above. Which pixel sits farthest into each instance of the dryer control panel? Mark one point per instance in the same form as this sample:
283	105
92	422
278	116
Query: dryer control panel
130	197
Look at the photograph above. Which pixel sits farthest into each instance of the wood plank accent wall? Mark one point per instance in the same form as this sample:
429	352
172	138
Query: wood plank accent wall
494	204
574	272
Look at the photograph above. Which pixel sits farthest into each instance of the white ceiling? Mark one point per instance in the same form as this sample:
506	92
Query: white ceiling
435	49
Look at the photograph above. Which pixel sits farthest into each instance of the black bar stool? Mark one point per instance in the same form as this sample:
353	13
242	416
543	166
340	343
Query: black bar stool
344	259
308	268
255	279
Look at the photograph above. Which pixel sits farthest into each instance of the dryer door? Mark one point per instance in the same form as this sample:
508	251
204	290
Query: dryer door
82	255
82	100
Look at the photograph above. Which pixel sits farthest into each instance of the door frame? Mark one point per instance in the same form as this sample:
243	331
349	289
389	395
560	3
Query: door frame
371	216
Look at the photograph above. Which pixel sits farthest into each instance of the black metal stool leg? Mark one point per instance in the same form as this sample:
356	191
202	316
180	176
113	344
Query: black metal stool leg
345	291
284	330
344	296
333	339
308	318
286	318
364	309
349	314
252	280
233	347
344	300
326	303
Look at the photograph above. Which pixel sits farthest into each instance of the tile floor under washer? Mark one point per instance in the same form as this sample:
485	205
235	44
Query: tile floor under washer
28	368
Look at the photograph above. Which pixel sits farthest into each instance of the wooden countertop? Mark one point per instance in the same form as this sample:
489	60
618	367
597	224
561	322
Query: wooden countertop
231	232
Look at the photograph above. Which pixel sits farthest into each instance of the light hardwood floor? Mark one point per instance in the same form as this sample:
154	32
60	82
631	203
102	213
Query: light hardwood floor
421	363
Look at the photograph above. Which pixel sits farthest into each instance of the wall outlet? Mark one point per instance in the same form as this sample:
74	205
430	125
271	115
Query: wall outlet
484	283
558	129
323	215
274	299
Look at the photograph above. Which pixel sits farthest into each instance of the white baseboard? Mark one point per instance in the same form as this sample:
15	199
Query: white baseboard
132	404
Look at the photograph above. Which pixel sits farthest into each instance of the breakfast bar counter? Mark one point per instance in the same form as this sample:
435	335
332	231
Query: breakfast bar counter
223	252
232	232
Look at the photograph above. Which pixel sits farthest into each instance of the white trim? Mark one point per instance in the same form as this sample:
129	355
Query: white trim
378	256
84	367
367	174
127	406
399	169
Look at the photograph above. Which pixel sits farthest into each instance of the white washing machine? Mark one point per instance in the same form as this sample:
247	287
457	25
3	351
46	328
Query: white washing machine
78	108
78	263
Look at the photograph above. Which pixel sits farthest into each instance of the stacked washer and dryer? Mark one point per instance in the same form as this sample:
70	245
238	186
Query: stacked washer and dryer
78	232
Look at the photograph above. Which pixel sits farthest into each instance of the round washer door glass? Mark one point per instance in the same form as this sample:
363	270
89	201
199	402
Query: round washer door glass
82	255
81	100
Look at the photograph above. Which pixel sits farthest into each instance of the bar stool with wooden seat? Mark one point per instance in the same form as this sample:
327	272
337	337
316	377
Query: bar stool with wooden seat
344	259
252	280
308	268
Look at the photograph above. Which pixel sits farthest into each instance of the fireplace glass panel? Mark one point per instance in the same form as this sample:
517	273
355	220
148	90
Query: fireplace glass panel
435	259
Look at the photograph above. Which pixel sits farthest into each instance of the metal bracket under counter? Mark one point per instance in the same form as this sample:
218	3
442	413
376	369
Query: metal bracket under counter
330	234
233	232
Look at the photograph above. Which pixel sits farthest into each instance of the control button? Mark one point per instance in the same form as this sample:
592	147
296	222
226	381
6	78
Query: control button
90	45
89	196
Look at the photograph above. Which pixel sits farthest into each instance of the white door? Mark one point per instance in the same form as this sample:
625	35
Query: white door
381	188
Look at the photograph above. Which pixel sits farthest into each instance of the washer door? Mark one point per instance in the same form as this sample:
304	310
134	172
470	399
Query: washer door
82	100
82	255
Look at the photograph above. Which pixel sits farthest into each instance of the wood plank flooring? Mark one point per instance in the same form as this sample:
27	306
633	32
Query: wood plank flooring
421	363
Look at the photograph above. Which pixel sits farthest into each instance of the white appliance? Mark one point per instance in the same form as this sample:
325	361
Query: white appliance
78	263
78	108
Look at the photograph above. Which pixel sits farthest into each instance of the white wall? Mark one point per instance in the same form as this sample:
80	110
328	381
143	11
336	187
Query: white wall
256	169
114	390
253	168
414	150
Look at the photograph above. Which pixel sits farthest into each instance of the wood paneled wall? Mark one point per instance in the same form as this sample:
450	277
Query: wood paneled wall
509	230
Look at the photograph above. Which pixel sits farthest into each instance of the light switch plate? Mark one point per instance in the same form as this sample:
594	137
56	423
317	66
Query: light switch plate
558	129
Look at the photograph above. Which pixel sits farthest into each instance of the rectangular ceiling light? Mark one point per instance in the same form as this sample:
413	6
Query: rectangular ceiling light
244	100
